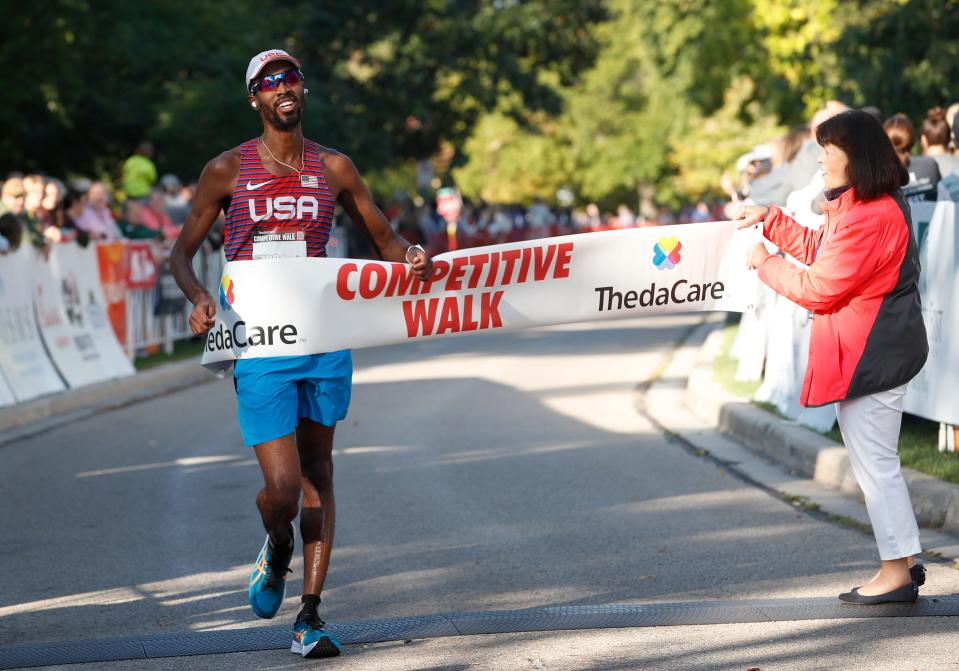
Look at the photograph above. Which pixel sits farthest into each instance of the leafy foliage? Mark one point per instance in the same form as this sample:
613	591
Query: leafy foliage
389	80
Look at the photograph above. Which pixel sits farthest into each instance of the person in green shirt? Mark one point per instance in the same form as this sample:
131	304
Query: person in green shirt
139	172
131	223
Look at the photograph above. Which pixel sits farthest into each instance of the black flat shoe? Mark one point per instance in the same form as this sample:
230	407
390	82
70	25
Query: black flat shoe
905	594
918	574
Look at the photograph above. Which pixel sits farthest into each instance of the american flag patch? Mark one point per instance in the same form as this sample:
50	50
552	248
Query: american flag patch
309	182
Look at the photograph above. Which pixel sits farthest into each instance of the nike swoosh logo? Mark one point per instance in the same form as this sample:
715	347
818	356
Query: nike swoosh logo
250	186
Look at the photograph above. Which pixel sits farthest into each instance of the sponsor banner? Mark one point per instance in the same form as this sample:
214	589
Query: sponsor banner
76	271
931	393
141	268
64	325
111	260
167	299
26	368
283	307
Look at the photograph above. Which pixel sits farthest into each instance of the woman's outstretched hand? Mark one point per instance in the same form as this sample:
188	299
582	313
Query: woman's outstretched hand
756	255
750	215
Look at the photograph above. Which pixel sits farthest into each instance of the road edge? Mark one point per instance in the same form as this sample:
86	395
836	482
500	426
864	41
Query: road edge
31	417
802	450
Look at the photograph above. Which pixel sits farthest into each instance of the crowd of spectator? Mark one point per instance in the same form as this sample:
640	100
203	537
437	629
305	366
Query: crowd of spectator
784	170
43	211
481	223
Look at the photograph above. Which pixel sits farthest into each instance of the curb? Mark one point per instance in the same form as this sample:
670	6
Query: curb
936	503
44	413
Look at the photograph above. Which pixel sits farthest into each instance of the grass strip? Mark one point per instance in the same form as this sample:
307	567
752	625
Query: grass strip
918	439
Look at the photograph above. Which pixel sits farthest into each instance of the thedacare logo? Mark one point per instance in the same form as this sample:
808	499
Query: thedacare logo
226	293
285	207
666	253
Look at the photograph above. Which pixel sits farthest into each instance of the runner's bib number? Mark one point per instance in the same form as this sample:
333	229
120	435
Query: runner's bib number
279	242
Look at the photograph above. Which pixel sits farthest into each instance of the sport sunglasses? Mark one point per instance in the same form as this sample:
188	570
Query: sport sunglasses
272	82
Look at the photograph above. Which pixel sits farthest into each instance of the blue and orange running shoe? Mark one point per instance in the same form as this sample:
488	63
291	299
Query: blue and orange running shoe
268	579
312	639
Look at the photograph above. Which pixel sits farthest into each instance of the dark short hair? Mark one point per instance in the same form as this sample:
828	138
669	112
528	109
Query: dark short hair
874	169
901	132
935	128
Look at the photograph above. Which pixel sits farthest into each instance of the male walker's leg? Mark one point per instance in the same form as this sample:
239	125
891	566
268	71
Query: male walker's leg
279	499
318	516
311	638
278	502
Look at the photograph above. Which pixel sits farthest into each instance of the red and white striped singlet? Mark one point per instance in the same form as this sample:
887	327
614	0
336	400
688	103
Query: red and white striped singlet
272	217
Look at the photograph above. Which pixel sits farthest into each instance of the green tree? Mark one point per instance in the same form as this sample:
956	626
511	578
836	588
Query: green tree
901	56
710	146
390	80
84	82
661	67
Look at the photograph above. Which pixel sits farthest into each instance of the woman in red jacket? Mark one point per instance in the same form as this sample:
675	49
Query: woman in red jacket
868	338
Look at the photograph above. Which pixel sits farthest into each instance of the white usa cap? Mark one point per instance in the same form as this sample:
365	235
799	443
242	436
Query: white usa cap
258	62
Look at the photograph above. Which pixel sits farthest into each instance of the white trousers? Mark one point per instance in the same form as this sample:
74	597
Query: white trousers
870	428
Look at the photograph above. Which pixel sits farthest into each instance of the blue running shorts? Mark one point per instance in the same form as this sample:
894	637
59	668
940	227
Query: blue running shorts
272	393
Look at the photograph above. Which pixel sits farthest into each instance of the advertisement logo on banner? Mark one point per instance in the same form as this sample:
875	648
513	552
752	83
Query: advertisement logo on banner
226	293
111	261
24	363
141	269
70	295
666	253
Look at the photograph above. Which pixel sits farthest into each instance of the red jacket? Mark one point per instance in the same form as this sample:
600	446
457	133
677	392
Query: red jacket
862	285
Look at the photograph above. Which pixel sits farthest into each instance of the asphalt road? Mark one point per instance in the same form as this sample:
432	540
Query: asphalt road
488	472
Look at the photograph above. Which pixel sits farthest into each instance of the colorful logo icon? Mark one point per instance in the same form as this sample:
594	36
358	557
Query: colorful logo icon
226	292
666	253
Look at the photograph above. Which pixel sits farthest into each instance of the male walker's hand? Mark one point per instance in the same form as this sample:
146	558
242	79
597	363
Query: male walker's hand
420	261
750	215
202	317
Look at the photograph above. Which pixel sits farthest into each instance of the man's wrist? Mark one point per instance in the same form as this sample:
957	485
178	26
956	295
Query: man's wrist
411	248
198	296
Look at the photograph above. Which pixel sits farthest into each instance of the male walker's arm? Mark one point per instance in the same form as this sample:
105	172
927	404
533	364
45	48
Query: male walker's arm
358	203
212	193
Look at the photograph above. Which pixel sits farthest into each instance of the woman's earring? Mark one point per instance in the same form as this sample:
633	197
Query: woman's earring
253	105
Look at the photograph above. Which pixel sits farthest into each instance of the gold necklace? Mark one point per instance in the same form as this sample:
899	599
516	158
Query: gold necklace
302	156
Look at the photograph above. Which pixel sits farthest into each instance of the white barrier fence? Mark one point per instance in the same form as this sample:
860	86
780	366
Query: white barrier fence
158	316
773	340
79	315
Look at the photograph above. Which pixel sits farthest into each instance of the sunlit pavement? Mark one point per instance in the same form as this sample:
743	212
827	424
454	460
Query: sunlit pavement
489	472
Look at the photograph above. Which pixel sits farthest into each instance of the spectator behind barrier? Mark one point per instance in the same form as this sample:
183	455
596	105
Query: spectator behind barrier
131	223
96	219
935	141
154	216
13	196
27	215
33	187
176	202
11	232
53	221
760	181
73	205
951	120
139	172
923	171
